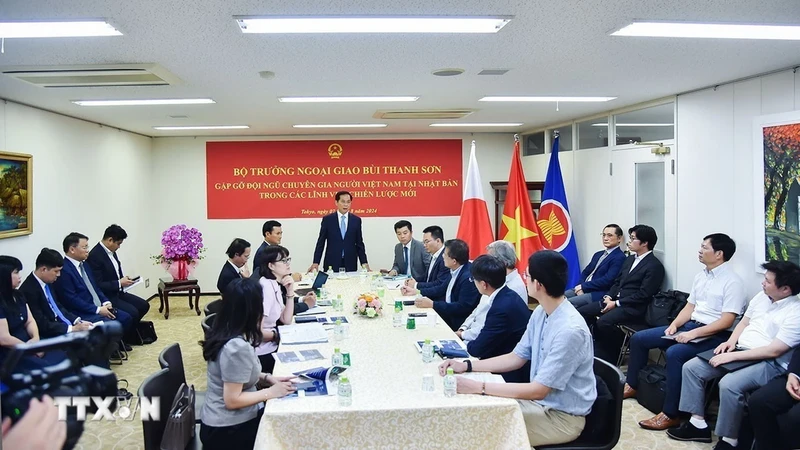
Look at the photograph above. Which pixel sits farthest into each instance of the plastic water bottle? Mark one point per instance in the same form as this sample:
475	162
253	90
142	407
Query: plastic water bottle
330	272
338	331
363	274
449	383
397	318
337	359
339	303
427	352
345	392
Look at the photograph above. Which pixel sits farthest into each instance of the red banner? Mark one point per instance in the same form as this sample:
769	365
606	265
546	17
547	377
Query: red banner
286	179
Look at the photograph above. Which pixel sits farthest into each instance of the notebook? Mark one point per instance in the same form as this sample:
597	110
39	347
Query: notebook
731	366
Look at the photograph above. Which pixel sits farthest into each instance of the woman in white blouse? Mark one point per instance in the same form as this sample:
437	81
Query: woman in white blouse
278	286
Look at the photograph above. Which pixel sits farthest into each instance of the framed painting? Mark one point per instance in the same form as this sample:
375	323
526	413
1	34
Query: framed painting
777	187
16	181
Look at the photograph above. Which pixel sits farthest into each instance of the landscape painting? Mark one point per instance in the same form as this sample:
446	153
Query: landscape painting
781	211
16	178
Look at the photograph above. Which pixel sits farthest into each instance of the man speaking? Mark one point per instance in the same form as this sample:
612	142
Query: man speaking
342	231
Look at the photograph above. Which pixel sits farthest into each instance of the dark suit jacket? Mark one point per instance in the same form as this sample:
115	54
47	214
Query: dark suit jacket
420	260
604	276
104	274
506	322
49	325
226	275
463	299
73	291
635	289
256	268
794	363
352	244
435	286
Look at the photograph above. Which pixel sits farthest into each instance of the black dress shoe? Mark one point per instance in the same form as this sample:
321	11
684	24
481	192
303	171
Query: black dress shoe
689	432
722	445
127	347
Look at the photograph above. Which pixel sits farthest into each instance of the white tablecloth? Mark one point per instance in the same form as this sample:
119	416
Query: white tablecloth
389	408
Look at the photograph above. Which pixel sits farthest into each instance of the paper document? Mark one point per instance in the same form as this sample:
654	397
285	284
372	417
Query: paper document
483	377
302	355
442	343
307	333
136	283
310	311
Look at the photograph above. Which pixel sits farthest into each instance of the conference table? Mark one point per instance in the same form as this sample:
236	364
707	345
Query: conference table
389	408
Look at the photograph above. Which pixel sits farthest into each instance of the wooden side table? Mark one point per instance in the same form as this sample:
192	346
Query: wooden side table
167	285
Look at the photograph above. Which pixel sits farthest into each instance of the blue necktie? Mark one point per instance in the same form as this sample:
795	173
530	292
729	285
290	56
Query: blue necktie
343	229
405	257
53	306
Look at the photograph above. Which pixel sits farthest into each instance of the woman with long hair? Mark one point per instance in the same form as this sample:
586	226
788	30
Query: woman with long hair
16	321
236	386
278	286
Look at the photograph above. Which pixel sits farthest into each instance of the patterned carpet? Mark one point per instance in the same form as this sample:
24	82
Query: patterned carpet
183	327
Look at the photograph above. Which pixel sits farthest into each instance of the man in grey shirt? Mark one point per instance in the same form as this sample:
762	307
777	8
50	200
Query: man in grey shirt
558	344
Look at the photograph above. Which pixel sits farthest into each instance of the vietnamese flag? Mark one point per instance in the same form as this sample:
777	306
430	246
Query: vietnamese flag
519	225
474	227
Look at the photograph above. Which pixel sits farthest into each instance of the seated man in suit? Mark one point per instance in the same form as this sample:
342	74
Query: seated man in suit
79	292
716	299
236	265
505	253
273	233
107	269
558	347
599	275
410	257
626	302
341	231
506	319
52	318
768	332
461	295
778	398
435	284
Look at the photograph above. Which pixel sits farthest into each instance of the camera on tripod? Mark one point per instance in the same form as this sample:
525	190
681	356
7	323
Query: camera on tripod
73	377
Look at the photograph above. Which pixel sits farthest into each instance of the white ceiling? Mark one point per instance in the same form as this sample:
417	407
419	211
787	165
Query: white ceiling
552	48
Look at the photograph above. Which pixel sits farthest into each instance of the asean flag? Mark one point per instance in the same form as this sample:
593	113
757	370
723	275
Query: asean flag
474	227
519	224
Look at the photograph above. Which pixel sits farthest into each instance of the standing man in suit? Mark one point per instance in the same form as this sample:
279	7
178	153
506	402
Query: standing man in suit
410	257
599	275
506	319
626	302
78	290
52	318
107	269
779	397
342	232
236	266
461	295
435	284
273	233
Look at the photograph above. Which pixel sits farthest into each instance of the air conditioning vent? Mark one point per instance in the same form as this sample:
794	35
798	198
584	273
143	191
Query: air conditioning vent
493	72
93	76
424	114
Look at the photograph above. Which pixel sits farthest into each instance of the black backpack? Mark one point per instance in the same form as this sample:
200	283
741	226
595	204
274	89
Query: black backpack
665	307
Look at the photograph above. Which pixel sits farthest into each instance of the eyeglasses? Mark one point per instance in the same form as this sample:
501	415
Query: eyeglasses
608	235
286	261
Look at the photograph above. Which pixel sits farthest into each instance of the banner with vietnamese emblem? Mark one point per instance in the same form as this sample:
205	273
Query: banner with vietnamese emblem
294	179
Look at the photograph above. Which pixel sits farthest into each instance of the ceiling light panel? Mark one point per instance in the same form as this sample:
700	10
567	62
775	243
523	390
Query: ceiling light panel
145	102
89	28
347	99
284	25
523	98
710	30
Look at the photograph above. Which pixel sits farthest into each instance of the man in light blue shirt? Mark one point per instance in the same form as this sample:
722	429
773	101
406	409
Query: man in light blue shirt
558	344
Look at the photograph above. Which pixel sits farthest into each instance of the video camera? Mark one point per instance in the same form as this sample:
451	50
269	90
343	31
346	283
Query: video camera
75	376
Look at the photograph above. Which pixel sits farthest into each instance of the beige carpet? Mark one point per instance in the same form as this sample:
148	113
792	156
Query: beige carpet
184	327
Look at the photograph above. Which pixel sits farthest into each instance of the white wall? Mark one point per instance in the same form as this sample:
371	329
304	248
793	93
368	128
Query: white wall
178	183
715	167
85	177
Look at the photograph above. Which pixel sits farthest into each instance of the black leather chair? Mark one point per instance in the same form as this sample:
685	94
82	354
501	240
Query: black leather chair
162	385
207	322
213	307
603	424
171	358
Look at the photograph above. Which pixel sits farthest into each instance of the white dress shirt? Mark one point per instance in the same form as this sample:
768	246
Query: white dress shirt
113	262
453	277
433	260
237	269
772	320
715	292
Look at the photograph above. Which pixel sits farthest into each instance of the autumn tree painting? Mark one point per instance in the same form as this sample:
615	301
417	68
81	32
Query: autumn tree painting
782	192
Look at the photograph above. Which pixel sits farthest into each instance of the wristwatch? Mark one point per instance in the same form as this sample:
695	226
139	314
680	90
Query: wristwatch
469	365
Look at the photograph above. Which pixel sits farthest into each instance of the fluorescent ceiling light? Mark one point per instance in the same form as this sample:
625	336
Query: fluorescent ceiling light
346	99
710	30
497	98
372	24
150	102
203	127
635	125
475	124
344	125
10	30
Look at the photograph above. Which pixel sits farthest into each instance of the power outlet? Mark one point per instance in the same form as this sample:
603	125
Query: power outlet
147	283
